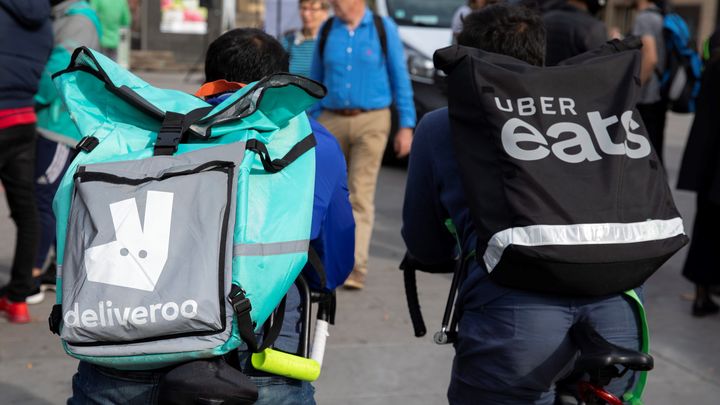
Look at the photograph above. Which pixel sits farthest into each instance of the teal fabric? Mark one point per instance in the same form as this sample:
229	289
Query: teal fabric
270	207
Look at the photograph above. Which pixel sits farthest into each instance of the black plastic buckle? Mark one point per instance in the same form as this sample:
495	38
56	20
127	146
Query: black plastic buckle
87	144
241	305
170	134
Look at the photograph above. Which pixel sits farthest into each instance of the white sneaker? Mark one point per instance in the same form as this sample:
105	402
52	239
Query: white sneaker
36	298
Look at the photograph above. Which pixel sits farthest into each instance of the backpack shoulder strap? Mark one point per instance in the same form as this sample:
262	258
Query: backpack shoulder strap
322	39
382	35
379	27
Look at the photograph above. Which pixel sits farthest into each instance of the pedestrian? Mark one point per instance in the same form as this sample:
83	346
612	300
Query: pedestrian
456	23
300	44
25	44
230	64
364	71
114	14
648	26
512	345
572	29
699	173
74	24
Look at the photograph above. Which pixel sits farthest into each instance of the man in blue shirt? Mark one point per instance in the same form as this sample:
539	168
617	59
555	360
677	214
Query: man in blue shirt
230	64
512	346
362	79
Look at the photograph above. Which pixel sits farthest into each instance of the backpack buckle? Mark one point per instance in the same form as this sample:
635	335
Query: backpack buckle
169	135
87	144
241	306
240	303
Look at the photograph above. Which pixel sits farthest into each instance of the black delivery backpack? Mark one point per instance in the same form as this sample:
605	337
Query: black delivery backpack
564	188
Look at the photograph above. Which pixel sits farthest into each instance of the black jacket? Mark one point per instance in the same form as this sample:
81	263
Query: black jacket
25	44
570	32
700	170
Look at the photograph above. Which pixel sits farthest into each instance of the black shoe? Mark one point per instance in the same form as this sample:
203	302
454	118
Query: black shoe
703	308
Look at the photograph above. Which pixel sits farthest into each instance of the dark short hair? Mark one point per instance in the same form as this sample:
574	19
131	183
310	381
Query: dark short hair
506	29
244	55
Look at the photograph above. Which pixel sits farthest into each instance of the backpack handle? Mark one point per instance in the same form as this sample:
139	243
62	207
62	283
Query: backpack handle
84	60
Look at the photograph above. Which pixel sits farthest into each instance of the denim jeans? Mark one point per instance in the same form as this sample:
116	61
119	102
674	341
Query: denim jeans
17	165
95	385
514	349
51	161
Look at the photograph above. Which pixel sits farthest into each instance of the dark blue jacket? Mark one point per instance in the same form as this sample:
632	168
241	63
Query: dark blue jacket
25	44
434	193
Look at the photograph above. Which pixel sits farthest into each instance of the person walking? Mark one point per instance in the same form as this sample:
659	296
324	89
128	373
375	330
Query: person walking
699	173
359	58
300	44
114	14
572	29
25	44
74	24
648	26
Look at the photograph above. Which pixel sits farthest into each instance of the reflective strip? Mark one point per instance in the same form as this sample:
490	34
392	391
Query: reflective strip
580	234
270	249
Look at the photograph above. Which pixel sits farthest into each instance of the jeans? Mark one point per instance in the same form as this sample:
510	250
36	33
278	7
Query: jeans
514	349
17	162
52	160
95	385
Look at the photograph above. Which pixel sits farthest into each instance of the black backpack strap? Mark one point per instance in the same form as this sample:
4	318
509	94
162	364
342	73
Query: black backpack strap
322	38
382	35
55	319
379	27
411	295
246	327
275	165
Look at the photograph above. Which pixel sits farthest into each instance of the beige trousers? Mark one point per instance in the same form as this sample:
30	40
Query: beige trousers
362	139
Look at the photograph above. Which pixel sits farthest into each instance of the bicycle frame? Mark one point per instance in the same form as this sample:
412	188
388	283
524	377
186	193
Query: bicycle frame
591	394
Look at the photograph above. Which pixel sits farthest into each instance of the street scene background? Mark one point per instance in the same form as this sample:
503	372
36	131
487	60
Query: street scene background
372	356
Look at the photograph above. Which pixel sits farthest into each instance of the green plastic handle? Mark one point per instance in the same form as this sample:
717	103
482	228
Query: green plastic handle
287	365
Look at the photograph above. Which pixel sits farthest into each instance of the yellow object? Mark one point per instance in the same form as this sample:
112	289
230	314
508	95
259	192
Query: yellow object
286	365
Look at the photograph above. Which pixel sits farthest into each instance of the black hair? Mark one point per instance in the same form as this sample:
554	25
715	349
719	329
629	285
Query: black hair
506	29
244	55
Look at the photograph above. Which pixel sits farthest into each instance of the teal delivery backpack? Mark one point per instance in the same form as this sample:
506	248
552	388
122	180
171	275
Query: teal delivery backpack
180	226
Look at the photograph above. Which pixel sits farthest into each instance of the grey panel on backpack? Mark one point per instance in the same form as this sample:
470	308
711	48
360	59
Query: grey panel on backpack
142	271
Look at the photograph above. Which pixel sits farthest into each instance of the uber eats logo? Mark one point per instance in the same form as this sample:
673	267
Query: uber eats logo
135	259
523	141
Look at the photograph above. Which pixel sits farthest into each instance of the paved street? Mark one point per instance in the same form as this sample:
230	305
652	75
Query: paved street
372	356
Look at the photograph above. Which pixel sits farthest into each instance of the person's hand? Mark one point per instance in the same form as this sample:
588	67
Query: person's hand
403	142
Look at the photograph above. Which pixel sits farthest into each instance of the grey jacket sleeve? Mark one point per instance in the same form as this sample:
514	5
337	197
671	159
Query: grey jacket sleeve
75	31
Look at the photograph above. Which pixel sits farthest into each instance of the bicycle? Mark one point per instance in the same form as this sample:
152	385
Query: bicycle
598	360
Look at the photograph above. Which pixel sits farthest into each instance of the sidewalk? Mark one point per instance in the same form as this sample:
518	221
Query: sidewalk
372	357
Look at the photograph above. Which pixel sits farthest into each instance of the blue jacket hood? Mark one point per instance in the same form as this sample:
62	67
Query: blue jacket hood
28	13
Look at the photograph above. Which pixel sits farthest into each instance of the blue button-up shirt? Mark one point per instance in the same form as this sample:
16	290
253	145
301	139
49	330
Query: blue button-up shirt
358	75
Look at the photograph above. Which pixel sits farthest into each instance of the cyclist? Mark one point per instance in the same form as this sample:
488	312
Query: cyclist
237	57
512	346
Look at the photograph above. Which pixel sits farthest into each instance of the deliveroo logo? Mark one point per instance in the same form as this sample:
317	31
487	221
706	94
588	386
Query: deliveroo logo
138	255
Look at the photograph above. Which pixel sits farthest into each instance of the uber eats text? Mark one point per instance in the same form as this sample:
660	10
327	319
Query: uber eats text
523	141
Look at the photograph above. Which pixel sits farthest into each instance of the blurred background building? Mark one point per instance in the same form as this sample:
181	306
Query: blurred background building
173	34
